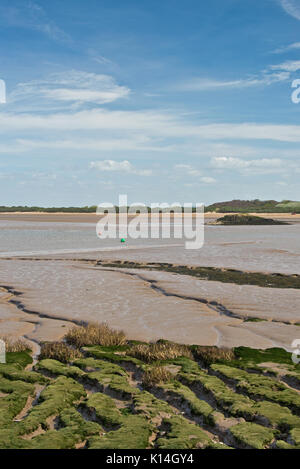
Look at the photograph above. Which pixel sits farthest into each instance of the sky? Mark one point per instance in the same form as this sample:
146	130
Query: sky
165	101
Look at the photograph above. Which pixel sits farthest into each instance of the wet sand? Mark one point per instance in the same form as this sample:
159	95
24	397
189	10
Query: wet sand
147	305
93	217
60	289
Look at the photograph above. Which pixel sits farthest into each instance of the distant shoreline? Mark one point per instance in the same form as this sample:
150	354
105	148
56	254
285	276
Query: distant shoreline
173	215
93	218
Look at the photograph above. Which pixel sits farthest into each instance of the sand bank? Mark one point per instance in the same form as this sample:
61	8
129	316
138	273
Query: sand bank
58	293
93	217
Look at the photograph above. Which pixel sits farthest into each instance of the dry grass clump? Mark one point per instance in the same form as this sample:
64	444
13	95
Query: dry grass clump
95	334
209	355
159	352
156	375
59	351
15	345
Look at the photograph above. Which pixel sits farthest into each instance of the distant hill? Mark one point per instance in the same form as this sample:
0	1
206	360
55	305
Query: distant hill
258	206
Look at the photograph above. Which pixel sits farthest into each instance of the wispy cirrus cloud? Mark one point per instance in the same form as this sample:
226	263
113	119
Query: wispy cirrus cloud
189	170
201	84
99	58
270	75
135	143
70	86
254	166
157	125
292	7
288	48
288	66
30	15
119	166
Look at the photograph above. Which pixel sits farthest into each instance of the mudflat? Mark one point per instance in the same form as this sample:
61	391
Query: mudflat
93	217
51	280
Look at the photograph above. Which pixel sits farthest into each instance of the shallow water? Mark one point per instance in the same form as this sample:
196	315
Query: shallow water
261	248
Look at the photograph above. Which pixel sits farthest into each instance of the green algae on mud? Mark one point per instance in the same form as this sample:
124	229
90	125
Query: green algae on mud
99	402
252	435
260	279
239	220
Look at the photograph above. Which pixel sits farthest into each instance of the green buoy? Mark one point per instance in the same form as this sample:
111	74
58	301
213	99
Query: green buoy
123	240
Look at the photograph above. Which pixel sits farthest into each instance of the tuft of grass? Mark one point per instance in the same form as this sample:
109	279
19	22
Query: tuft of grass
252	435
74	429
95	334
59	351
134	433
156	375
56	368
161	351
15	346
184	395
147	404
55	398
182	434
102	408
209	355
19	358
260	387
238	405
248	355
17	393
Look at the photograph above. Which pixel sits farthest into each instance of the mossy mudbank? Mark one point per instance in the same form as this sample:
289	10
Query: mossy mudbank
260	279
237	219
99	401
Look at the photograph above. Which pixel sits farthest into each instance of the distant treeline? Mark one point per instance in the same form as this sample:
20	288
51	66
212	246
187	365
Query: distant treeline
258	206
233	206
25	209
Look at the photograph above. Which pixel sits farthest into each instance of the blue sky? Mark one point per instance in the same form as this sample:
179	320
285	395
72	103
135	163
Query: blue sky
166	101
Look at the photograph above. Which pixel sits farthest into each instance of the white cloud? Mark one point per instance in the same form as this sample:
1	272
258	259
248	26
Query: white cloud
99	58
290	47
263	165
72	86
229	162
272	74
288	66
32	16
200	84
119	166
147	124
135	143
292	7
110	165
208	180
101	97
188	170
282	183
